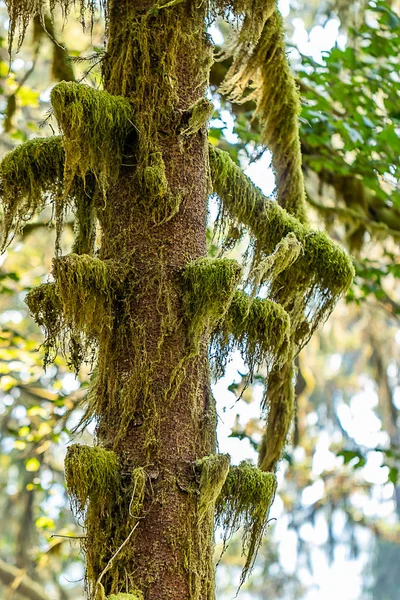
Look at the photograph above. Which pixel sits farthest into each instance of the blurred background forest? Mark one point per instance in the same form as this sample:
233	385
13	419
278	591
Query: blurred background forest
334	528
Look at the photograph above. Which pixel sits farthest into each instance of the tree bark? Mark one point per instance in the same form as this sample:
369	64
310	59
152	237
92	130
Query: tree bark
171	422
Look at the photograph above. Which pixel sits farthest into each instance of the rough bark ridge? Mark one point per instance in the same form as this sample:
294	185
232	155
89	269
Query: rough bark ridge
148	304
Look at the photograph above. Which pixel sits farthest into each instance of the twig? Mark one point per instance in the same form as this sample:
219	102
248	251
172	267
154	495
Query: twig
108	565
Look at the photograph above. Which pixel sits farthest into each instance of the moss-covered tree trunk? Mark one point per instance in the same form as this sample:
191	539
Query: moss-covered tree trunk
153	401
135	157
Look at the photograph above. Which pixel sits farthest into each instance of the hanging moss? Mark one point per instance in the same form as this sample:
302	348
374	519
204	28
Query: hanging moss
209	287
22	12
259	328
279	401
101	492
45	306
310	287
263	67
86	290
213	472
29	176
95	125
92	474
286	253
245	501
252	15
199	114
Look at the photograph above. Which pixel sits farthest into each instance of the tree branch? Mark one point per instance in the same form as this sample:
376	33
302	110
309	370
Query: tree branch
31	590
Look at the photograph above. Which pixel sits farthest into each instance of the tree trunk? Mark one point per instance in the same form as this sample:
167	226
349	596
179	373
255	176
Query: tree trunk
153	401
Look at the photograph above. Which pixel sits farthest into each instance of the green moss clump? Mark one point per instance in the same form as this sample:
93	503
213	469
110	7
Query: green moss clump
45	306
200	113
29	176
213	472
92	475
95	125
245	501
259	328
155	179
209	287
85	286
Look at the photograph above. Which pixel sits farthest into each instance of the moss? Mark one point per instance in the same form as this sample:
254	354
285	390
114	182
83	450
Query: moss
309	287
95	125
245	501
199	114
286	253
259	328
30	175
85	286
111	502
136	595
21	13
279	400
45	306
209	287
213	472
92	474
264	68
142	65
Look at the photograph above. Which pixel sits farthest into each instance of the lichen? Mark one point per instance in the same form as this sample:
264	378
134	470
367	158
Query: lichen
213	472
209	287
245	501
258	328
95	125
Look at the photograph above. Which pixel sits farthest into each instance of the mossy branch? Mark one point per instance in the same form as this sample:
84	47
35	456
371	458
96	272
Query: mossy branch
245	501
259	328
209	285
92	475
309	287
95	125
29	176
279	401
86	286
78	307
264	68
213	473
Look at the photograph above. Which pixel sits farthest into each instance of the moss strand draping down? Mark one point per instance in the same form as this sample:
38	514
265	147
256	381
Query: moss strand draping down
264	69
244	501
95	125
